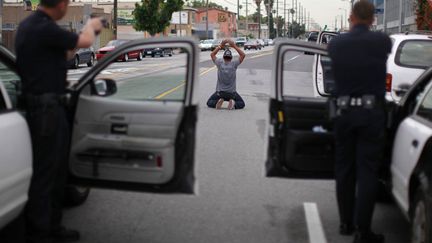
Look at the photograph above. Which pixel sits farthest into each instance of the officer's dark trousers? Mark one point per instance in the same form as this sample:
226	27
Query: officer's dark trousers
239	102
50	137
359	137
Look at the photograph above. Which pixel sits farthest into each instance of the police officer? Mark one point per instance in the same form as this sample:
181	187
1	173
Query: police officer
42	48
359	66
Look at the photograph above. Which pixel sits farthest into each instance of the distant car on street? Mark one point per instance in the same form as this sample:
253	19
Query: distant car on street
161	52
312	36
261	43
270	42
241	41
112	45
206	45
215	44
83	56
252	44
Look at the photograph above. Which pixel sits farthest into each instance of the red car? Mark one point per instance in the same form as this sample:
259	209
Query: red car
138	54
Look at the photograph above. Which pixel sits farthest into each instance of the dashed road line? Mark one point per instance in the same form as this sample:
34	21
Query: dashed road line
314	225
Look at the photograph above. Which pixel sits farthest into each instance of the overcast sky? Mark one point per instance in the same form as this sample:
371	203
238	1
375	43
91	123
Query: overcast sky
322	11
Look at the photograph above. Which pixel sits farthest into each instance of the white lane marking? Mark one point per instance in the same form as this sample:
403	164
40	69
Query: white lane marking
316	232
292	59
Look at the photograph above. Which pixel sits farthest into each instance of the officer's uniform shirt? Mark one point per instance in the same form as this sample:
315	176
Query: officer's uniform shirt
41	47
354	52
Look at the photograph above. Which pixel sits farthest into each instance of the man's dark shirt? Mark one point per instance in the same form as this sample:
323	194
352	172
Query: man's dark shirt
41	47
359	62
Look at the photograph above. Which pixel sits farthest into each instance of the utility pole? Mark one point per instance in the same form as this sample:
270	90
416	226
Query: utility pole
299	14
401	11
285	19
341	22
180	23
292	19
304	17
247	17
207	30
385	17
115	19
277	18
258	3
308	23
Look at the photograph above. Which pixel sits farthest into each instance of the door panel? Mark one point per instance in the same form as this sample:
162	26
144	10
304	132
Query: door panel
142	137
15	150
301	143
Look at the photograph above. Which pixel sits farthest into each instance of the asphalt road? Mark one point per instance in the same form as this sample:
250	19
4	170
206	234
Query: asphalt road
235	203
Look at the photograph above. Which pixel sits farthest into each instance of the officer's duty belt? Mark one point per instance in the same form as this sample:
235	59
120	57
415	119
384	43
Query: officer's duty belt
364	101
45	99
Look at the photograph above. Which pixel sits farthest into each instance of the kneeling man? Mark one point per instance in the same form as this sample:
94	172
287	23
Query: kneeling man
226	82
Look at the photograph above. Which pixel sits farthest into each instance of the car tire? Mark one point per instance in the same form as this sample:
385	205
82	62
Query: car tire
421	218
125	57
140	56
162	54
153	55
76	62
91	62
171	53
75	196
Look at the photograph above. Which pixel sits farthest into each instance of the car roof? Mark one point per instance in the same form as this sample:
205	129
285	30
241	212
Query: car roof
409	36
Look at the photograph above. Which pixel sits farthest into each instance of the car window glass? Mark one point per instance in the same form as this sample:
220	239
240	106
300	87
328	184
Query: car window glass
425	109
11	82
148	73
415	54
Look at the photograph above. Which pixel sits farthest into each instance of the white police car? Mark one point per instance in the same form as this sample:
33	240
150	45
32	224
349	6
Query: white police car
301	143
121	139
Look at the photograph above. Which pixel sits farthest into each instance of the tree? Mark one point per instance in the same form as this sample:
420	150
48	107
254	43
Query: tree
424	15
279	24
154	16
296	29
202	4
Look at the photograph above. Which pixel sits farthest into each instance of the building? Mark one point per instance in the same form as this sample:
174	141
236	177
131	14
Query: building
221	23
396	17
182	22
77	15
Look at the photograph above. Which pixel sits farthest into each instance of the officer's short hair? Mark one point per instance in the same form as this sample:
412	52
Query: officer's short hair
50	3
364	10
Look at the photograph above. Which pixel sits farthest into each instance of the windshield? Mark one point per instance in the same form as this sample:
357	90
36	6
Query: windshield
115	43
415	54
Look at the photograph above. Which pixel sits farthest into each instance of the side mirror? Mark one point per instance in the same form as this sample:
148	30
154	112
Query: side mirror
104	87
402	89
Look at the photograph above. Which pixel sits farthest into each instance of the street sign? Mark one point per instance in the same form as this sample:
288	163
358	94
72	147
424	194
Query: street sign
379	11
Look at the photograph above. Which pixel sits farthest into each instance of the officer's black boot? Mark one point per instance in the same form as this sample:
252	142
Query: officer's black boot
368	237
65	235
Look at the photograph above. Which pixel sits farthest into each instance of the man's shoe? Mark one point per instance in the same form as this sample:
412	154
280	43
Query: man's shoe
219	103
231	104
346	229
65	235
369	237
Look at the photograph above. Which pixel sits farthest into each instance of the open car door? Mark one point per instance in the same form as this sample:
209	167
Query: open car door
323	80
134	122
301	143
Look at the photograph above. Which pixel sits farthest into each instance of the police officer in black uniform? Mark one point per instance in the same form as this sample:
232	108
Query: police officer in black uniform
359	66
42	49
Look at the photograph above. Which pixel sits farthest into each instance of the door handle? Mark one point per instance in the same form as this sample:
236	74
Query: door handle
415	143
119	129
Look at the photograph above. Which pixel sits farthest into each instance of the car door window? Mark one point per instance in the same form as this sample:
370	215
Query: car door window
415	54
151	79
11	82
425	108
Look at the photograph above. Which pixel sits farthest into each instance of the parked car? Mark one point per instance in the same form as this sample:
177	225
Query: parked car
161	52
112	45
312	36
266	42
206	45
261	43
301	139
116	143
252	44
83	56
270	42
215	44
410	57
241	41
